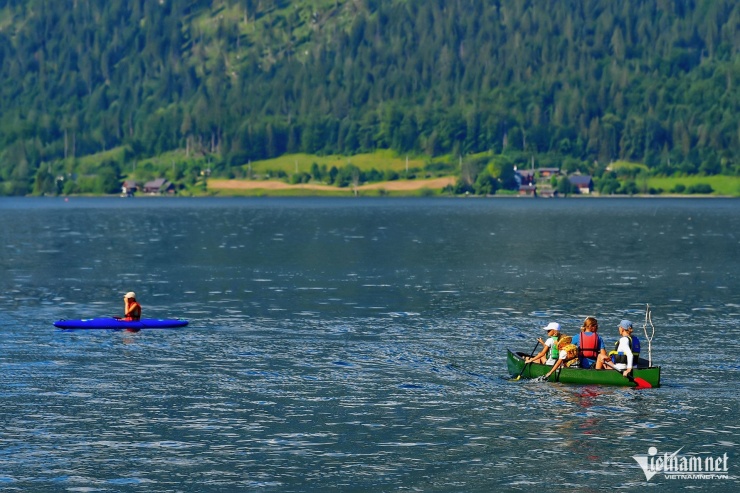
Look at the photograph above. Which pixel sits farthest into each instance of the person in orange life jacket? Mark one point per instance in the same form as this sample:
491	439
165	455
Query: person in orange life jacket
132	309
624	359
589	343
549	354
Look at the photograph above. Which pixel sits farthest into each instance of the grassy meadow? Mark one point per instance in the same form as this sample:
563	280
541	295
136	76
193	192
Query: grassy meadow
302	163
722	185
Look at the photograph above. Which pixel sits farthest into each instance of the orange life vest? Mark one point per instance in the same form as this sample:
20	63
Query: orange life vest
588	344
133	313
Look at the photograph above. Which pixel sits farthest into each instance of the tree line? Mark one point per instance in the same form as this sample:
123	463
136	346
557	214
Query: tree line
575	83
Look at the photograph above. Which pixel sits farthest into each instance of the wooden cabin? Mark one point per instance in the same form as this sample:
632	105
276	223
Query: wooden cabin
159	186
583	183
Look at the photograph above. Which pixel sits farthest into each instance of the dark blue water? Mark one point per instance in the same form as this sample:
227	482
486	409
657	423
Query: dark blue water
359	345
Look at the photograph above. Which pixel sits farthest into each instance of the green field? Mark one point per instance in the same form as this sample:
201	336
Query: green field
722	185
301	163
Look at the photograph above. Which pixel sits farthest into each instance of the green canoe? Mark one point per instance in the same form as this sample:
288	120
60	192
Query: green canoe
515	364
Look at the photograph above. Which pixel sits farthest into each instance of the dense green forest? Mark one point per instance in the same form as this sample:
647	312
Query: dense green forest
574	83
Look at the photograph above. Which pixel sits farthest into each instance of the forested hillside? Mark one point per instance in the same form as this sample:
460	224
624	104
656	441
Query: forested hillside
577	83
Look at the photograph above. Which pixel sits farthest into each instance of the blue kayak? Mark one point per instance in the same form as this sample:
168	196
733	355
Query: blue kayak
114	323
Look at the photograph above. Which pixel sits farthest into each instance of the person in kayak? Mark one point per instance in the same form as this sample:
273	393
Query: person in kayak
635	347
132	308
590	344
623	356
549	354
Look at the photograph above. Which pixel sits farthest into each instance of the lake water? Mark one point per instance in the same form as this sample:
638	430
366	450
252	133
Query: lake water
359	344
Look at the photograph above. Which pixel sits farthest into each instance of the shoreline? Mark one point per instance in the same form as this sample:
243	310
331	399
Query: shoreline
346	193
428	187
396	188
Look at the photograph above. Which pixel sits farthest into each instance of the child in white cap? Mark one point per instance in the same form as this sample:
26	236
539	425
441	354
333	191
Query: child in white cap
549	354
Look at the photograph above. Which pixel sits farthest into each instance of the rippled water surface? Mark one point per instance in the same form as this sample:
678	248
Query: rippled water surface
359	345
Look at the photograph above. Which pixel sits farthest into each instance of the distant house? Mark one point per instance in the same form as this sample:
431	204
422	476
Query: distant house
548	172
583	183
527	191
129	188
159	186
524	176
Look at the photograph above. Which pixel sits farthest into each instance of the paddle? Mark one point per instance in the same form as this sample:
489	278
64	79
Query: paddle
531	355
640	382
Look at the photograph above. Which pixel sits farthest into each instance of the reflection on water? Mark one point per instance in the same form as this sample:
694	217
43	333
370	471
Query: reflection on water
357	344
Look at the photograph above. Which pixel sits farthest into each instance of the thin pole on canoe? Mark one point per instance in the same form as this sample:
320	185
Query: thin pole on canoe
649	319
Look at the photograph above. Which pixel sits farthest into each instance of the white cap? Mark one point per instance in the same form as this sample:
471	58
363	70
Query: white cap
552	326
130	294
